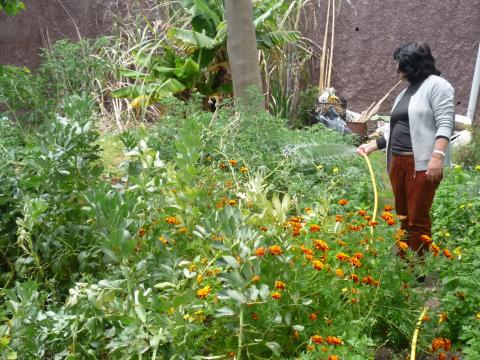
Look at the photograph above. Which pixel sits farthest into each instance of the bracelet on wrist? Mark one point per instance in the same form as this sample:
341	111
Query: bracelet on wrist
439	152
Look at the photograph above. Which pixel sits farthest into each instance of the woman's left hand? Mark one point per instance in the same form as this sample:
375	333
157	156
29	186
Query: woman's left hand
435	168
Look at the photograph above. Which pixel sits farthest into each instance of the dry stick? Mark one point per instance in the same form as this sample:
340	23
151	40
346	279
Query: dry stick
71	18
322	62
373	109
415	333
331	45
327	60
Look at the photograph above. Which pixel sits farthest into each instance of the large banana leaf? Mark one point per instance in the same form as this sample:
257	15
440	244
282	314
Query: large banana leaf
206	14
277	38
155	90
260	18
192	38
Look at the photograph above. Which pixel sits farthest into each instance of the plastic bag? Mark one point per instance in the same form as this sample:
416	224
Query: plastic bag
332	120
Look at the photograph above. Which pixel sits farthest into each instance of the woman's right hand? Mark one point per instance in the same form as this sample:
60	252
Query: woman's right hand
366	149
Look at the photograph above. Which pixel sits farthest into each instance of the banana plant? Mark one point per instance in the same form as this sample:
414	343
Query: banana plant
202	41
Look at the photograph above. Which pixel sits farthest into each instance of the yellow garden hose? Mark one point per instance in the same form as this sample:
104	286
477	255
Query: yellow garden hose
375	192
415	333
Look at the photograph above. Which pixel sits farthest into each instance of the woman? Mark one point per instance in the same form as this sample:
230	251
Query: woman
421	125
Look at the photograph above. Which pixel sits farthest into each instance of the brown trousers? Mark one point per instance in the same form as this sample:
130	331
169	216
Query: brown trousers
414	195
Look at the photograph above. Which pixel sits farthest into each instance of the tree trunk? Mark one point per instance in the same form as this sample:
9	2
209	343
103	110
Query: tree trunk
242	51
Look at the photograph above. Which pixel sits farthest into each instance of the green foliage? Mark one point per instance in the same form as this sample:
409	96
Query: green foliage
11	7
179	253
67	68
457	207
456	211
469	155
307	102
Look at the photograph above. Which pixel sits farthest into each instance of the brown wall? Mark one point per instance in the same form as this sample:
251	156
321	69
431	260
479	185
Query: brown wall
46	21
366	36
369	31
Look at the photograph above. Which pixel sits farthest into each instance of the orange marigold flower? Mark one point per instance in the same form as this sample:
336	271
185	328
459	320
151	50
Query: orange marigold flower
425	317
255	316
354	301
442	356
332	340
310	348
391	222
362	212
275	250
358	255
356	227
263	228
441	343
203	292
342	257
276	295
338	218
280	285
355	262
342	202
402	245
172	220
314	228
386	215
306	250
434	249
260	251
367	280
317	339
426	239
313	317
296	335
308	210
339	273
232	202
373	223
388	207
141	232
333	357
320	245
354	278
442	318
233	162
244	169
447	254
341	243
182	230
318	265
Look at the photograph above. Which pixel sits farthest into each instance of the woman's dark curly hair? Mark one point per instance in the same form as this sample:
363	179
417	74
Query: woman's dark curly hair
415	60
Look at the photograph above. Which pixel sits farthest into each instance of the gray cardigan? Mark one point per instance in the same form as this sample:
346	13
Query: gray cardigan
431	114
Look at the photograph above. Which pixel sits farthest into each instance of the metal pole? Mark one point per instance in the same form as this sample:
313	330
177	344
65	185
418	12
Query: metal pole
472	102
